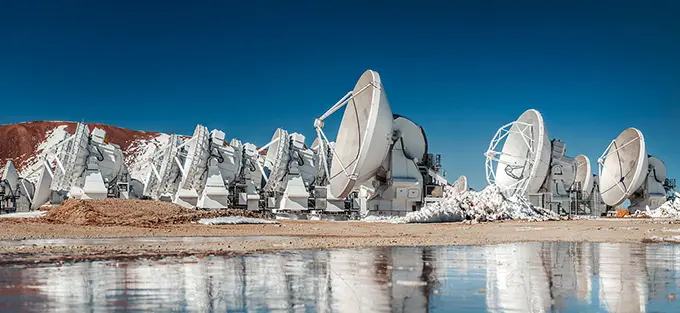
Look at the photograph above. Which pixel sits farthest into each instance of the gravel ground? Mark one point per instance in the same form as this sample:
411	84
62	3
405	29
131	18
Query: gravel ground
156	241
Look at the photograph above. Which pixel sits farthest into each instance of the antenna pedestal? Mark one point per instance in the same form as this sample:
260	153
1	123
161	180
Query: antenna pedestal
94	187
295	198
215	195
402	193
187	198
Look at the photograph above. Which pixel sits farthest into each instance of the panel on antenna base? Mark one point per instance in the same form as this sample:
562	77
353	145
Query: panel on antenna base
215	194
11	175
187	198
94	187
42	189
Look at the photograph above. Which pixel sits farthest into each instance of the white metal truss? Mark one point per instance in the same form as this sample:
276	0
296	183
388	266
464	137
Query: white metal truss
319	123
493	156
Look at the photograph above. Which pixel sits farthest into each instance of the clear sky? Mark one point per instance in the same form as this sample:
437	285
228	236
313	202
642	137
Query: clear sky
460	69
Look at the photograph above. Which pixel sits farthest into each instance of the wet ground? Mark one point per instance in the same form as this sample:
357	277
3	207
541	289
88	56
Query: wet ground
516	277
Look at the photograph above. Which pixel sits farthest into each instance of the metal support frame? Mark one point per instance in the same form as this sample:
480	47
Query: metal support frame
319	124
493	156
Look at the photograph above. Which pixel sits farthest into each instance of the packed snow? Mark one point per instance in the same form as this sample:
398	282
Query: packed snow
487	205
670	209
231	220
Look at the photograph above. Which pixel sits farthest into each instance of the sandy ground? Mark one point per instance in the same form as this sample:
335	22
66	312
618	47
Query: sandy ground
38	242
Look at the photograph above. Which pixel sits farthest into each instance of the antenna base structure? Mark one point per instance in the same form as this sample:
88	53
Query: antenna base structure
83	166
223	168
291	170
16	192
248	182
398	187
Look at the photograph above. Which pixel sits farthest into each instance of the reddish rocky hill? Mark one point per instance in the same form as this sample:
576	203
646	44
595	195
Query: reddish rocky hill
23	143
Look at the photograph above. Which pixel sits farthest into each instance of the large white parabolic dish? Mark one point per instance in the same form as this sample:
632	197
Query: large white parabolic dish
524	161
364	137
584	174
623	167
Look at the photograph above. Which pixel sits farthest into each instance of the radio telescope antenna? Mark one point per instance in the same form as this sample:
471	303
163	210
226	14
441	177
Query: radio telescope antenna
364	137
194	166
276	160
628	172
16	193
584	175
522	164
162	180
622	167
460	185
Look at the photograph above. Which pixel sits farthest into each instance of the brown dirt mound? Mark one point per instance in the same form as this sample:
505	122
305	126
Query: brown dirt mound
124	212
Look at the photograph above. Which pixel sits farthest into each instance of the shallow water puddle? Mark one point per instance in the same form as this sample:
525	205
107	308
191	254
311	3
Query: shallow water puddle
134	240
527	277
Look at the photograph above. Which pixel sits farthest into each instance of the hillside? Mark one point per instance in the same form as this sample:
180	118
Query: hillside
26	144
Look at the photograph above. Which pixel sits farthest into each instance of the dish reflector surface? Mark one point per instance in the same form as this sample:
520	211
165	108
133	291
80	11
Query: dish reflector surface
584	173
623	167
525	158
364	137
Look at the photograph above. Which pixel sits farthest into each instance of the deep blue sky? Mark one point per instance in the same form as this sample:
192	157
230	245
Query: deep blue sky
460	69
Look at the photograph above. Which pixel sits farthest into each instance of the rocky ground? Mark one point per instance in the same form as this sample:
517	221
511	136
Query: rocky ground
43	240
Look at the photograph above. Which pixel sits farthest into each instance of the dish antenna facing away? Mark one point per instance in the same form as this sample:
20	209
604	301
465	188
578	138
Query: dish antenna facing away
193	167
522	164
291	170
16	192
163	179
628	172
84	166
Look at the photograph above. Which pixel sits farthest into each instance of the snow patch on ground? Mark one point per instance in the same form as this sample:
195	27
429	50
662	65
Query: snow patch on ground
486	205
32	165
232	220
670	209
478	206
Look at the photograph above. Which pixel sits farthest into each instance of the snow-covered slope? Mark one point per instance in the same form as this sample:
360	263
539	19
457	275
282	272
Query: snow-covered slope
26	144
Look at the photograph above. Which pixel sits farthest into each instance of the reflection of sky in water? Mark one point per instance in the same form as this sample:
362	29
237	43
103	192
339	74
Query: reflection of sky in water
528	277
